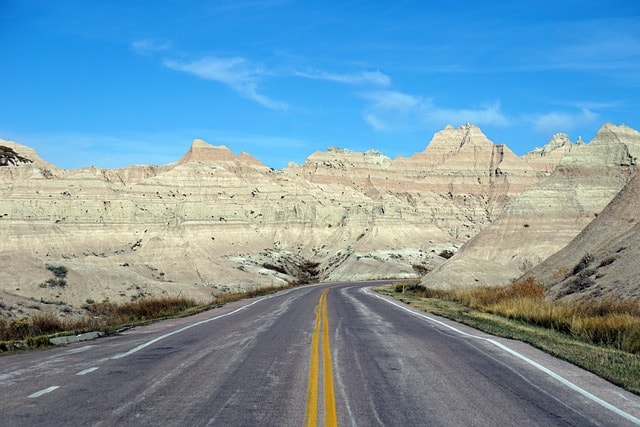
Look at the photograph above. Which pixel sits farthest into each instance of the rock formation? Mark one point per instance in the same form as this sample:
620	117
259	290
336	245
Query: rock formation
601	261
214	221
546	216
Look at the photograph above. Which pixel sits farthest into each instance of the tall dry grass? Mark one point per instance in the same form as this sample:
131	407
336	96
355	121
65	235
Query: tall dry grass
101	316
609	322
141	309
32	331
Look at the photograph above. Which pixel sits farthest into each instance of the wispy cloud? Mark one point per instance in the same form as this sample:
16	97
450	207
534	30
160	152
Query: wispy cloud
561	120
149	47
392	110
375	78
235	72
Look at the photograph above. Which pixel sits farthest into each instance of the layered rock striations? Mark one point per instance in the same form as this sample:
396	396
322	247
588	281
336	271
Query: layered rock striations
602	260
547	215
214	221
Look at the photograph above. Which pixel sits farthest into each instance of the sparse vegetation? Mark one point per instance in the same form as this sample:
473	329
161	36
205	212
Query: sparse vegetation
585	261
60	279
602	336
36	330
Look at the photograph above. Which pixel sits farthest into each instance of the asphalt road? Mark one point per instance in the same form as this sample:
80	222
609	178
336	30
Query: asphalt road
318	354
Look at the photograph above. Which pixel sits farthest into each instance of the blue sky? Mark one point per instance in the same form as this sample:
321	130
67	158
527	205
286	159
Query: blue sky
113	83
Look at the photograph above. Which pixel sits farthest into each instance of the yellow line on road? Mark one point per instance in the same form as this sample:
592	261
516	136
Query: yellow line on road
311	413
311	416
330	415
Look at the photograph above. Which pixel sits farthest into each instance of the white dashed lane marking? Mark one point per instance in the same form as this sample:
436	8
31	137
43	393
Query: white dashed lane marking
45	391
87	371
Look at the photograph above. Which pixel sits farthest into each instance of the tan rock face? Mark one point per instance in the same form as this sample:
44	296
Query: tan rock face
215	221
548	215
602	260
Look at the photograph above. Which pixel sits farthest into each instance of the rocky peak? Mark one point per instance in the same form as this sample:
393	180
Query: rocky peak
609	133
450	141
559	140
612	146
201	151
546	159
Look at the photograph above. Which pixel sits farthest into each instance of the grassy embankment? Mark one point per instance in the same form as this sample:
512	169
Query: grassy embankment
36	330
602	337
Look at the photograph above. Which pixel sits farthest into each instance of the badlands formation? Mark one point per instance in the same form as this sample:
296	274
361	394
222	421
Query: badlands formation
214	222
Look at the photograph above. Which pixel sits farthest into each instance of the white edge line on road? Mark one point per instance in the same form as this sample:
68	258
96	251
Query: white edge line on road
87	371
533	363
177	331
45	391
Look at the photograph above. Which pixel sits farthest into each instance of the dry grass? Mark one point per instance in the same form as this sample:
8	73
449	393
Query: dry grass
35	330
614	323
602	337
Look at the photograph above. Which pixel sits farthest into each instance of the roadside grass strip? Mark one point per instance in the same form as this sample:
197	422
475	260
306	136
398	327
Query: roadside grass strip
606	405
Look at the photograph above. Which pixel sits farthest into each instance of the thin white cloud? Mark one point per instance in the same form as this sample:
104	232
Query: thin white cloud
237	73
392	110
149	47
375	78
556	121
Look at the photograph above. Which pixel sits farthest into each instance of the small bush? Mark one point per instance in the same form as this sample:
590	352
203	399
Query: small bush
59	271
587	272
55	282
584	262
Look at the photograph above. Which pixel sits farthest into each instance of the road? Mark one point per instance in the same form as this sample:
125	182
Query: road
325	354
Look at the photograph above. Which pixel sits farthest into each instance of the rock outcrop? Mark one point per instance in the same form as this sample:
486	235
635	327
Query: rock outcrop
215	221
601	261
548	215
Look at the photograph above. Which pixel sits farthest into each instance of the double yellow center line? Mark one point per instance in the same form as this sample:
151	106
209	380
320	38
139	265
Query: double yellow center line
330	416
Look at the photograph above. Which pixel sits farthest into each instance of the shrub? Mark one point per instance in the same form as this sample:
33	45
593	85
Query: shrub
59	271
583	263
587	272
55	282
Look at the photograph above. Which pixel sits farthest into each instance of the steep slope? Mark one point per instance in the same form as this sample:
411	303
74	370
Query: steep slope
547	215
601	261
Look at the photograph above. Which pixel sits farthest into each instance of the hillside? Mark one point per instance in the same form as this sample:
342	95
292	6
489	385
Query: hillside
601	261
546	216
